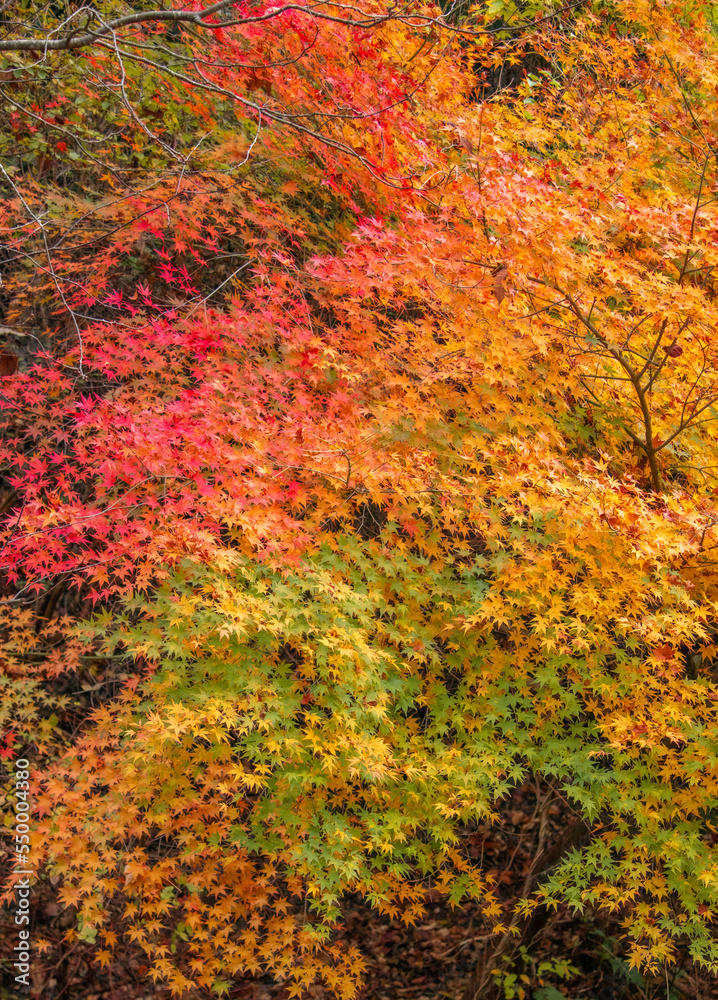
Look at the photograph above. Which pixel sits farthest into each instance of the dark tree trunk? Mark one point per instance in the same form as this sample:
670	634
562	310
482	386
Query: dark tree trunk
482	985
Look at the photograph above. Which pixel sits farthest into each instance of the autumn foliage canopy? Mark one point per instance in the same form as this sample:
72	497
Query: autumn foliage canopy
360	464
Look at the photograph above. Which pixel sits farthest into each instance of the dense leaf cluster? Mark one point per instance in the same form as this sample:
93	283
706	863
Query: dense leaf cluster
359	447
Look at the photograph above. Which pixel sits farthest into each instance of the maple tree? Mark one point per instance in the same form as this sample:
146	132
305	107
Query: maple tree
364	417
